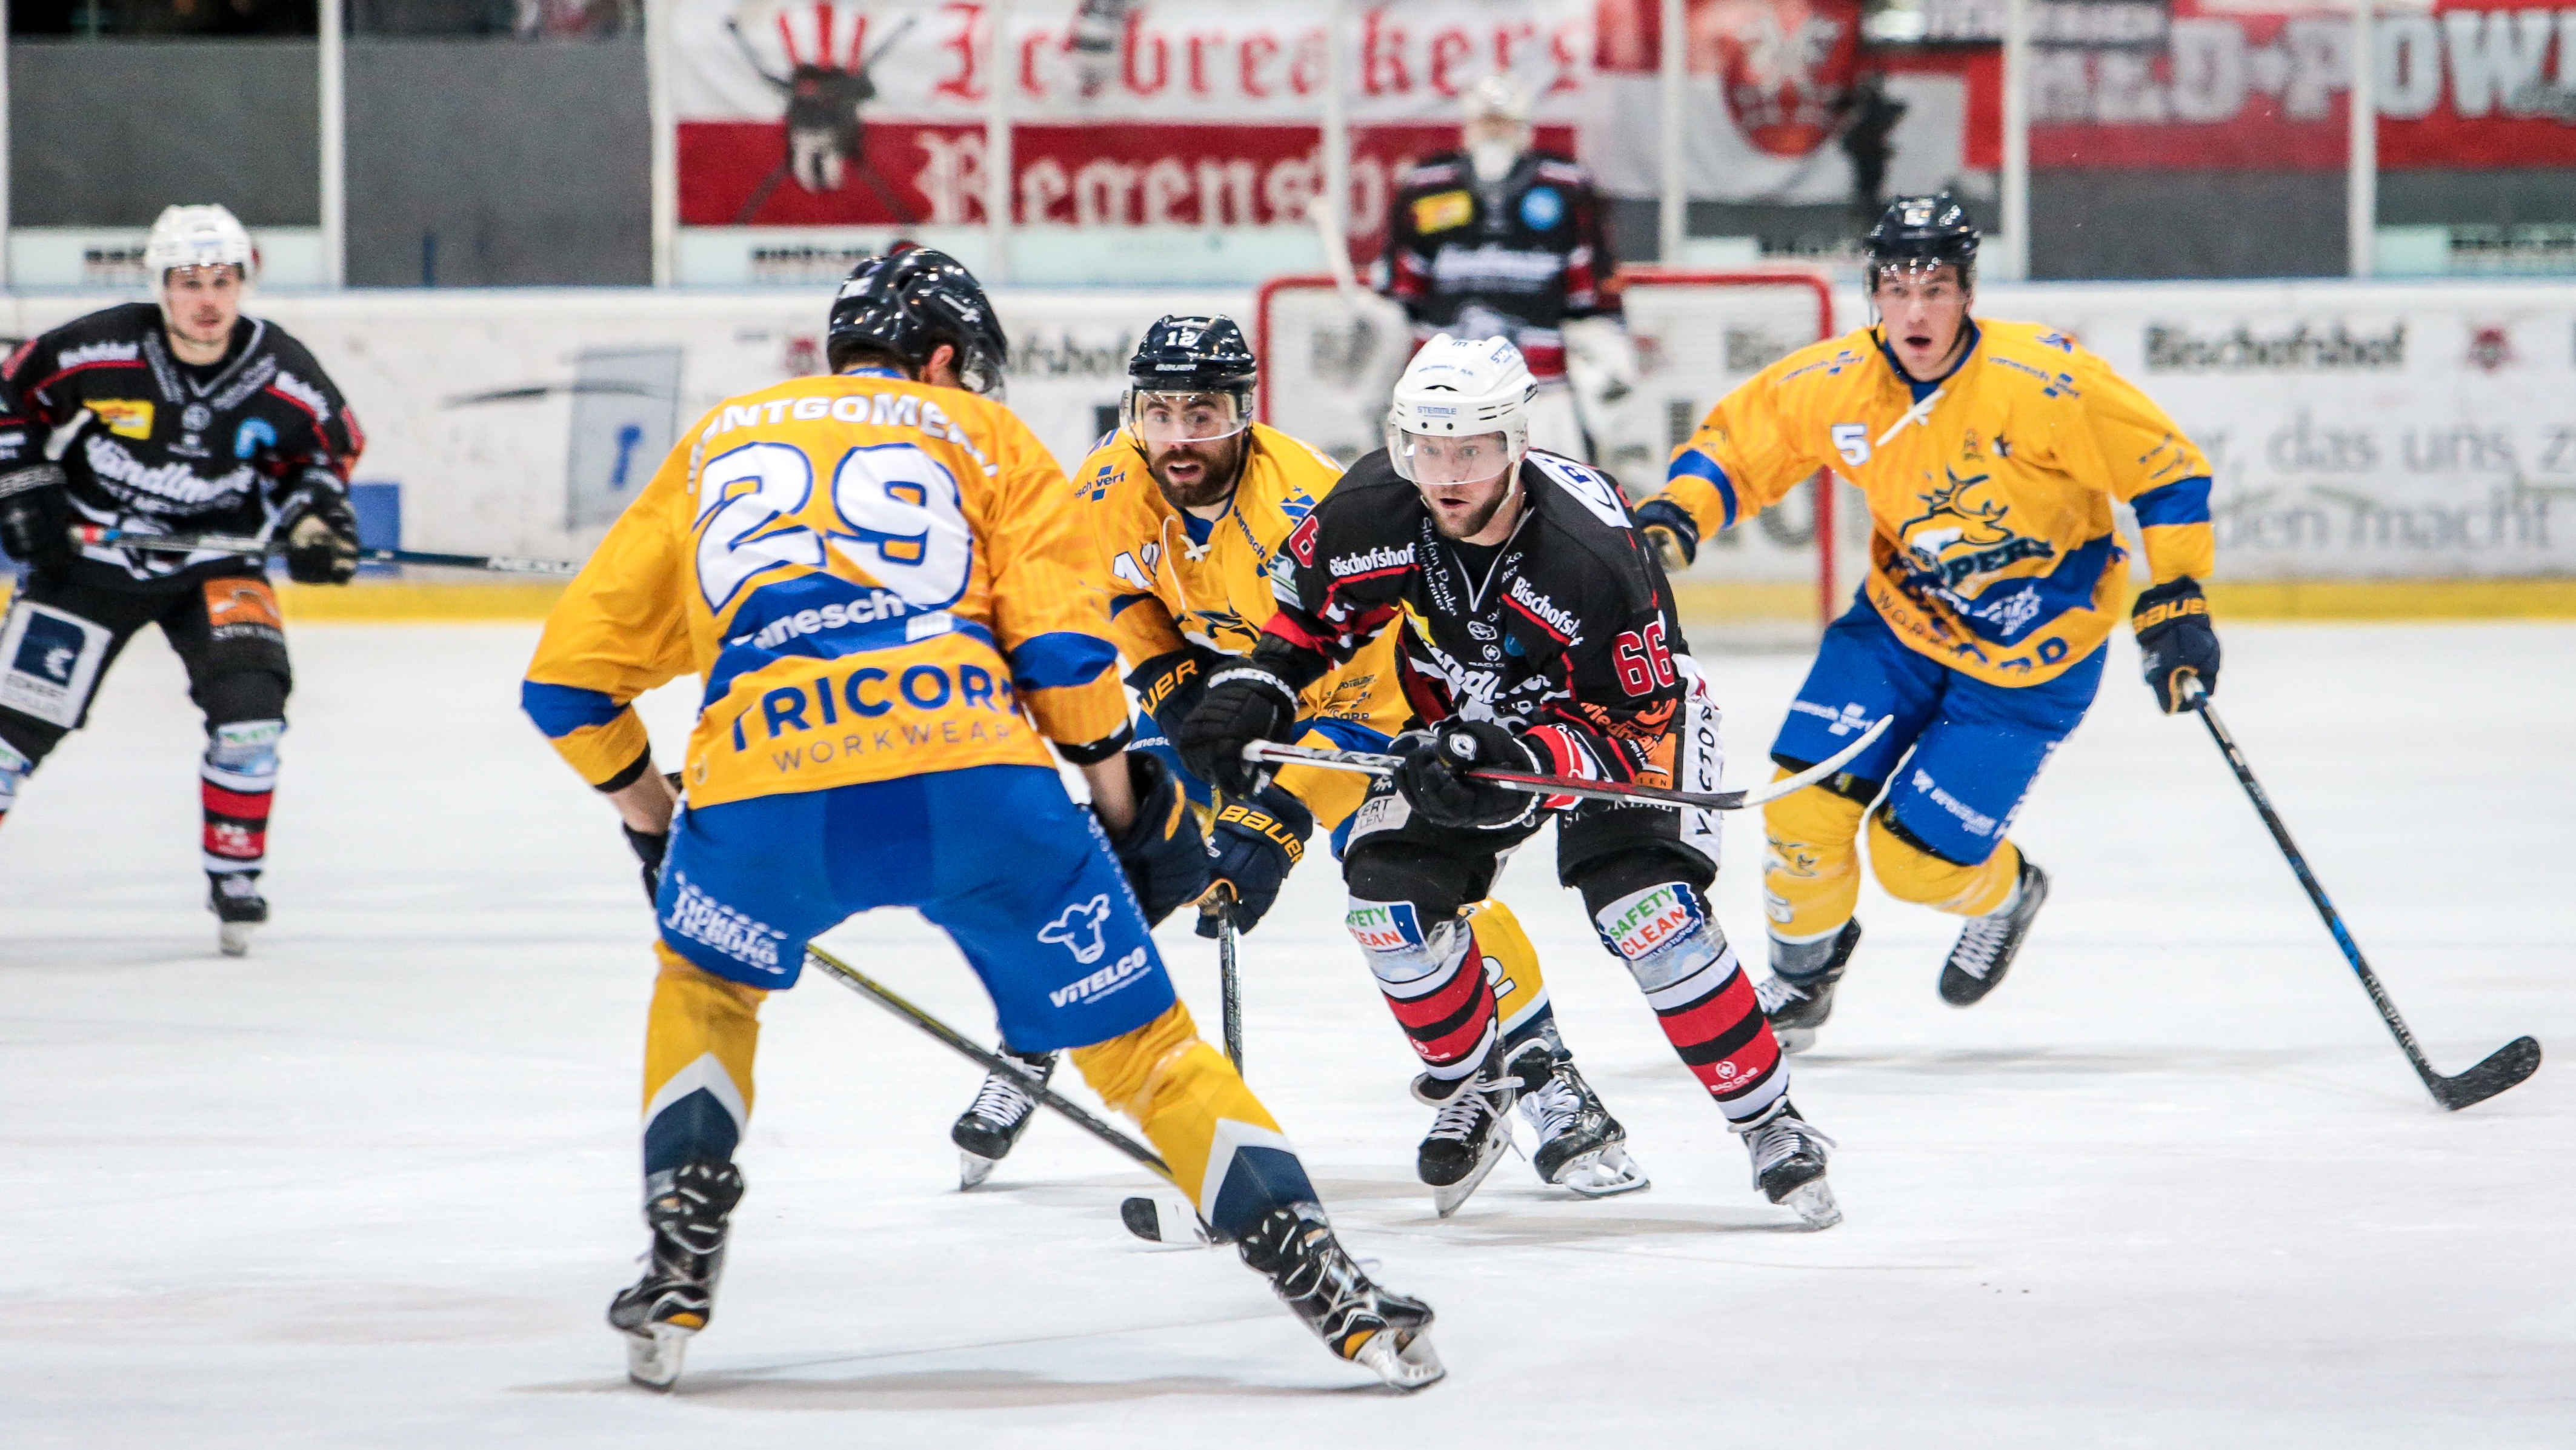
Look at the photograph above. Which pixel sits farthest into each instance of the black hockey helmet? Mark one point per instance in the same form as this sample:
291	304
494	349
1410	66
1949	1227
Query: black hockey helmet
1194	355
907	303
1917	233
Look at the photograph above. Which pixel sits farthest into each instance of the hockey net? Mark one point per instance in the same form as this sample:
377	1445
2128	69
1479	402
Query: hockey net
1326	367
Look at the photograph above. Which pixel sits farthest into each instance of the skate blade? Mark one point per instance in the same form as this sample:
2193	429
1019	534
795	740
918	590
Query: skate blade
1446	1200
1794	1039
973	1169
1165	1221
1409	1366
1813	1202
1606	1173
234	937
653	1360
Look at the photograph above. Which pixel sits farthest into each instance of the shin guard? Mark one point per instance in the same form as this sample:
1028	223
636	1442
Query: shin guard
1701	998
238	780
1434	981
699	1042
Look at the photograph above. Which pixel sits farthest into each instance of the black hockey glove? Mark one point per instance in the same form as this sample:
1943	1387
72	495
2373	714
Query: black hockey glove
2175	641
649	848
1253	845
35	516
1171	685
1668	527
321	533
1434	775
1162	852
1244	703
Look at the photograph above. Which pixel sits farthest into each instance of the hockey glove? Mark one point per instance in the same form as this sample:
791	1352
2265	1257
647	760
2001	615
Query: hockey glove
649	848
1171	685
1244	703
321	533
1252	846
1434	775
2176	642
1165	858
1668	527
35	519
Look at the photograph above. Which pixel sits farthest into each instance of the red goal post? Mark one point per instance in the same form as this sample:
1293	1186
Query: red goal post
1325	369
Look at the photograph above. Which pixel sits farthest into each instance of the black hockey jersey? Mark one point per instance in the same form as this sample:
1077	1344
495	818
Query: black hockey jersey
168	447
1566	632
1511	260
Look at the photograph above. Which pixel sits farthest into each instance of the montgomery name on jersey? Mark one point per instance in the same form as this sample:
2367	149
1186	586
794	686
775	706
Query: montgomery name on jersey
162	446
1990	489
1515	258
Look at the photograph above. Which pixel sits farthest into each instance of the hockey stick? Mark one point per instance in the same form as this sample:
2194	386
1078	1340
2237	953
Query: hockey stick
1271	752
877	992
1219	903
103	536
2503	1068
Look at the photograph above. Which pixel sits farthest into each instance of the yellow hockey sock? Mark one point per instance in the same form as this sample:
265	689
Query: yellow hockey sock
698	1046
1224	1149
1910	873
1811	862
1510	961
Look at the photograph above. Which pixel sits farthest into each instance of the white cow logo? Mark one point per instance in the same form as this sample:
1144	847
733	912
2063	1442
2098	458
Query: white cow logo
1078	930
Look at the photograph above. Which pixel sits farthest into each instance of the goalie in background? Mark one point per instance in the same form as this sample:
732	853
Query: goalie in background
1498	239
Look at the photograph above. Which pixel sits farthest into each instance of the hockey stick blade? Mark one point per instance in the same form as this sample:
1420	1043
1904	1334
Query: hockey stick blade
2503	1068
1165	1220
1270	752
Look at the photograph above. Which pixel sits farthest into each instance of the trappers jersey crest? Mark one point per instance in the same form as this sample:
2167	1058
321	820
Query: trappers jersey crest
1514	260
876	578
1990	495
1164	588
170	448
1571	626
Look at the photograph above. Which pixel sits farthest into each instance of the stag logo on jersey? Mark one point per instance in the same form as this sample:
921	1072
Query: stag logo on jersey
1555	618
124	417
1958	537
1079	929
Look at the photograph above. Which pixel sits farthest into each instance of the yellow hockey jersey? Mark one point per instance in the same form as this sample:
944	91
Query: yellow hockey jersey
1164	587
1993	548
875	577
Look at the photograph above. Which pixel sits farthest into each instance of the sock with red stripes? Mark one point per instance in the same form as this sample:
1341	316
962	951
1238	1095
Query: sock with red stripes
1434	981
1701	997
238	782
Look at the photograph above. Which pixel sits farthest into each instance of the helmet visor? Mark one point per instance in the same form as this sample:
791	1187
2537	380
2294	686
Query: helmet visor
1163	419
1440	459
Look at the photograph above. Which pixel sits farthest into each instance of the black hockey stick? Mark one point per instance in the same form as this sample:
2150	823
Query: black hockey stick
877	992
1218	905
2502	1068
1269	752
250	548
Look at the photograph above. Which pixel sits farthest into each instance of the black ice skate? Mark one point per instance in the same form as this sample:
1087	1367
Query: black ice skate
1789	1164
686	1210
1580	1146
991	1126
1316	1277
1798	1002
1471	1134
1987	944
233	896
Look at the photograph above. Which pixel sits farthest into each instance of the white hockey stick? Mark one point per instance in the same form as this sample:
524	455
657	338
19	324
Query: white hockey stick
1271	752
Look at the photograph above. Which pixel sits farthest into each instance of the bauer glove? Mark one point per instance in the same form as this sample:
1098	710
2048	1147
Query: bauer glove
1252	847
2175	641
35	523
1434	774
1162	852
1667	526
1244	703
321	532
1170	685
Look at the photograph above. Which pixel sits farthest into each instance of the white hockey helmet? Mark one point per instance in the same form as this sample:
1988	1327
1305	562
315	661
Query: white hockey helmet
1456	389
1497	95
196	236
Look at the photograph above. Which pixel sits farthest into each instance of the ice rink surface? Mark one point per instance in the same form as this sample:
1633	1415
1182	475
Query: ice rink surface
2172	1184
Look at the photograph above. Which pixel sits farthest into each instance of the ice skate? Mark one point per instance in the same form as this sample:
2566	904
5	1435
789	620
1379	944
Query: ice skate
1987	943
1316	1277
687	1212
1471	1134
991	1126
1797	998
1789	1164
234	898
1580	1146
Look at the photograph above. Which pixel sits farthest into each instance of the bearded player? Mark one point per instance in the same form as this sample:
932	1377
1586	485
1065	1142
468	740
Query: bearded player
179	416
1189	503
1991	454
1535	633
878	574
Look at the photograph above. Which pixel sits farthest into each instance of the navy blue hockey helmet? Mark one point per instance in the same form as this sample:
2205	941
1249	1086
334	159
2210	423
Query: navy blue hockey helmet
907	303
1918	233
1194	355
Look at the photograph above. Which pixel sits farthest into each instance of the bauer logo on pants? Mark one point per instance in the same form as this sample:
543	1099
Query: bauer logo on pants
49	660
